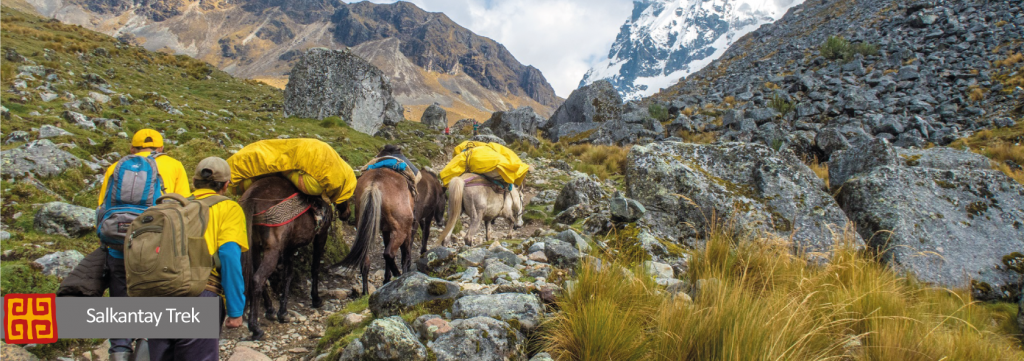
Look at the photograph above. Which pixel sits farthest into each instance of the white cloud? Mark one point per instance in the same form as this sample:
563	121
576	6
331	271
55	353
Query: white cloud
562	38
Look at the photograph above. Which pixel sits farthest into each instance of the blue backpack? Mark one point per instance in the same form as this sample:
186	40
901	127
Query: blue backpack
134	186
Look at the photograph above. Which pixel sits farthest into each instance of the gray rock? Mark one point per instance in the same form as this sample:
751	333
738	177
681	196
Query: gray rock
488	138
390	339
908	72
659	270
829	141
1020	310
353	352
473	257
431	326
435	117
948	227
480	338
108	124
761	115
846	164
625	210
78	119
337	82
410	290
586	109
58	264
943	158
18	136
579	190
571	237
519	125
167	107
500	270
48	131
651	244
65	219
4	235
748	185
40	158
437	260
561	254
524	308
543	356
48	96
15	353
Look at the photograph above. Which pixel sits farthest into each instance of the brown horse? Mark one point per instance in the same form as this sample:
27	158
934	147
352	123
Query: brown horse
268	244
384	205
430	204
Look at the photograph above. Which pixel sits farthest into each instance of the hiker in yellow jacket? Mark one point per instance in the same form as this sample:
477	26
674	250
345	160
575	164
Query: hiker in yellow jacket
225	237
144	143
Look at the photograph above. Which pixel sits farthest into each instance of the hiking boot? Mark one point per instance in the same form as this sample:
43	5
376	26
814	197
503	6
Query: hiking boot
120	356
141	350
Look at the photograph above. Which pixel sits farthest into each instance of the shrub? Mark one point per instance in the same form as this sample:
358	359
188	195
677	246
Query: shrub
603	161
780	105
331	122
837	47
820	169
977	94
658	112
1012	59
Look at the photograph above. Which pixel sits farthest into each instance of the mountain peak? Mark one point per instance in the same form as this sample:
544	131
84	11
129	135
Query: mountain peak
665	40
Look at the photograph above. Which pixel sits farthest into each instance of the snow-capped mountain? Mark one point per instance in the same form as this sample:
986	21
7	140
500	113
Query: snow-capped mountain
665	40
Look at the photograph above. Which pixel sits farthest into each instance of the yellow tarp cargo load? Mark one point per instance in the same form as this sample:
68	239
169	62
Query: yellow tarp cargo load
485	158
313	166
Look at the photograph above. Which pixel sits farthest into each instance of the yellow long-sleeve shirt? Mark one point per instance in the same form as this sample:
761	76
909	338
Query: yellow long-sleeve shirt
171	171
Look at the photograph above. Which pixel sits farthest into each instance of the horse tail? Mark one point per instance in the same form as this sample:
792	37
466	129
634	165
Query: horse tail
439	205
456	187
247	257
367	227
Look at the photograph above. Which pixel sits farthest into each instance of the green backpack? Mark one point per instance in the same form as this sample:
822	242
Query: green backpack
165	253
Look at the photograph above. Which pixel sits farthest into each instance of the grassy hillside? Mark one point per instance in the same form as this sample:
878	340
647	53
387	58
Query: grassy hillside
219	113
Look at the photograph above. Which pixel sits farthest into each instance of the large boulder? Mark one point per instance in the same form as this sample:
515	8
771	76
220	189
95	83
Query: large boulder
58	264
950	227
410	290
386	339
65	219
437	261
845	164
561	254
480	338
748	186
516	125
39	158
328	82
435	117
525	309
586	109
581	189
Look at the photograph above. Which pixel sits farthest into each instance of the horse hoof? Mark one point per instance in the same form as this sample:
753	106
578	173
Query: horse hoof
270	316
284	318
317	303
258	335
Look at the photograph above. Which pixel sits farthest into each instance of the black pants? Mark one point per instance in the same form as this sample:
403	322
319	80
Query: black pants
198	349
118	288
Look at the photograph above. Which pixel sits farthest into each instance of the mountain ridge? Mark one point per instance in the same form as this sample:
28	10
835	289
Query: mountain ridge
260	39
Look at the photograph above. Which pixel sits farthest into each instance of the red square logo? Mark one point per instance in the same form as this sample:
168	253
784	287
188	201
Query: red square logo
30	318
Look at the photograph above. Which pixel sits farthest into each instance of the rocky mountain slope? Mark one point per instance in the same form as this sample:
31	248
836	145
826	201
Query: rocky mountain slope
433	59
666	40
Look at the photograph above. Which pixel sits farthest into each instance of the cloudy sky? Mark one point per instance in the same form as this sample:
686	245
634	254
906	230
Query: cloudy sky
562	38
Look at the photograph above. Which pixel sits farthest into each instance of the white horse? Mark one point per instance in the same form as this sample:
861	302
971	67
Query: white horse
484	202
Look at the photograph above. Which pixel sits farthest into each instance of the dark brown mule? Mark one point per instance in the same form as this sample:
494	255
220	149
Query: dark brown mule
384	205
267	245
430	203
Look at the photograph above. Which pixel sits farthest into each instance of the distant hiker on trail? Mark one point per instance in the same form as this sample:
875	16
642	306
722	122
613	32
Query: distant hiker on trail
226	238
447	131
121	200
475	126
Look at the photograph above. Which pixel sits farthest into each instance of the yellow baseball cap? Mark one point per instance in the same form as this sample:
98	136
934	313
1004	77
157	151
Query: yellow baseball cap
147	138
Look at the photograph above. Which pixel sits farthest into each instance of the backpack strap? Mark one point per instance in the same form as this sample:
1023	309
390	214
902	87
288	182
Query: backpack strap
204	217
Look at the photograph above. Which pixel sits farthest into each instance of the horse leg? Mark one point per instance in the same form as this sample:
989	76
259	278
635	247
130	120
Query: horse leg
425	230
318	250
259	280
270	313
399	240
475	219
386	235
487	231
282	310
407	251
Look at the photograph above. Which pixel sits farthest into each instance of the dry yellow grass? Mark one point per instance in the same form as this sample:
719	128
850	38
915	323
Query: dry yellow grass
1000	145
697	137
757	301
977	94
819	168
1010	60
